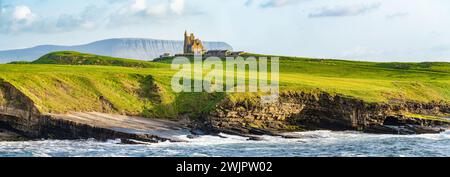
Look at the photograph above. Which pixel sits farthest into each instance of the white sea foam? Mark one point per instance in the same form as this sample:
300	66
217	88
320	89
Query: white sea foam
314	143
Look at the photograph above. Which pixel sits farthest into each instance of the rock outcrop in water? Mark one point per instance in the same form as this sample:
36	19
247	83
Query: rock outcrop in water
133	48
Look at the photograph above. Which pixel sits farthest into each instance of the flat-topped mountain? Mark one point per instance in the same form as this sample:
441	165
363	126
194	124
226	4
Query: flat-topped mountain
135	48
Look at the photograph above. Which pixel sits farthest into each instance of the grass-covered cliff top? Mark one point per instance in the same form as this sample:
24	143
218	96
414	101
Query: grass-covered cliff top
76	58
55	85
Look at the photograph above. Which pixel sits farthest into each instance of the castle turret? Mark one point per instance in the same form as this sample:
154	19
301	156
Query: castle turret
187	42
192	45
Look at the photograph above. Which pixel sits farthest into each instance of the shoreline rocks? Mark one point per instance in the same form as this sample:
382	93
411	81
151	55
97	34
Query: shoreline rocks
57	127
7	135
303	111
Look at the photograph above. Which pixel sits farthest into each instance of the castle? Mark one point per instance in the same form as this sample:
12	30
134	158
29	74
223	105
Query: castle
192	46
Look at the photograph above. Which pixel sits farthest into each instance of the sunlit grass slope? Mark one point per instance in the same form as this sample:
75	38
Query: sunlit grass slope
76	58
131	91
372	82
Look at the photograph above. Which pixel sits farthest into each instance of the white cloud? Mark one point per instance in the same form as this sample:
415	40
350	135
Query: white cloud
341	11
142	11
23	13
17	18
21	18
271	3
138	5
157	10
88	19
177	6
142	7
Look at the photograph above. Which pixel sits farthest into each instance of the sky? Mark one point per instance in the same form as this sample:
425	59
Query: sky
369	30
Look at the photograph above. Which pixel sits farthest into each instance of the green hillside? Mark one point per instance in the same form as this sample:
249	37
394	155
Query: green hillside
134	87
76	58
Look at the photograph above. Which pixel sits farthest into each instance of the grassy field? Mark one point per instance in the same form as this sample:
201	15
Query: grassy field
68	81
76	58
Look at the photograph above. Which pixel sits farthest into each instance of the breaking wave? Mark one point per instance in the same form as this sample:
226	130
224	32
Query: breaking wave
306	144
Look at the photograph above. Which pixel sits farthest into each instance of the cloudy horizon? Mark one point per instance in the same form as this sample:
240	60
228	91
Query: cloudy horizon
370	30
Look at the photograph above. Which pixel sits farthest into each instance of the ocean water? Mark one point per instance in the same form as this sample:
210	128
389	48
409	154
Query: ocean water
311	144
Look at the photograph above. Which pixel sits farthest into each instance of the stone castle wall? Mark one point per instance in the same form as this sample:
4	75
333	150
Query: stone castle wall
192	45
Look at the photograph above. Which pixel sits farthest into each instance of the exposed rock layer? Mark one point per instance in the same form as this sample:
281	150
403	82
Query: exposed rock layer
19	115
304	111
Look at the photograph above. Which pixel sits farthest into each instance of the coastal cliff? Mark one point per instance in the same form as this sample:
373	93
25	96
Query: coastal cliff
299	111
294	111
20	119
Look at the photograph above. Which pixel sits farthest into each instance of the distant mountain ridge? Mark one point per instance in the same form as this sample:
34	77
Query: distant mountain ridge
133	48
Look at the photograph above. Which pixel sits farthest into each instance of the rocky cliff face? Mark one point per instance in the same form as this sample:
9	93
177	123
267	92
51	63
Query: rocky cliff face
20	116
17	112
133	48
302	111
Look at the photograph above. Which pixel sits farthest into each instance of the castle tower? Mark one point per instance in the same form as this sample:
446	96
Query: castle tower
192	45
187	43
